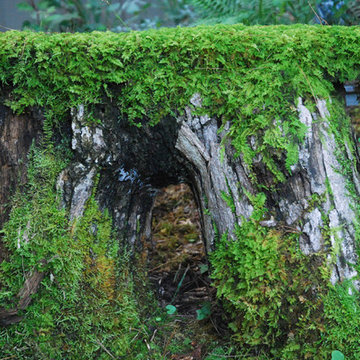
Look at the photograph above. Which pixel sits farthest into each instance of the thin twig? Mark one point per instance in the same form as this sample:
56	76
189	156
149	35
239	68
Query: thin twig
105	349
147	345
153	335
6	28
321	20
23	50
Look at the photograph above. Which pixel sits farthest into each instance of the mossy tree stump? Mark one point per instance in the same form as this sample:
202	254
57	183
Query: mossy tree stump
280	173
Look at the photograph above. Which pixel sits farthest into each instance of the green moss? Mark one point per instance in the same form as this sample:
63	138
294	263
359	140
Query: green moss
341	310
250	76
87	300
267	286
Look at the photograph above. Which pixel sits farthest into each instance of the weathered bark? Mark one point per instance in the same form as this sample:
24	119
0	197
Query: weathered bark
24	297
133	163
318	165
30	287
16	136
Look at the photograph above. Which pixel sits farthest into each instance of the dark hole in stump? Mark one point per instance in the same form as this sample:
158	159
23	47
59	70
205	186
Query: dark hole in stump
178	265
178	270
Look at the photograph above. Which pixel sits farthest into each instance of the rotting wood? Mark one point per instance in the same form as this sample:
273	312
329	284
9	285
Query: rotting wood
30	287
134	163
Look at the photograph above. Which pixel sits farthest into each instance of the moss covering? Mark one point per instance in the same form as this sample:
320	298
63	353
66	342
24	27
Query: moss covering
249	76
268	287
86	302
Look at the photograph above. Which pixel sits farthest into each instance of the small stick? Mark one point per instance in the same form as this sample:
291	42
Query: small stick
6	28
147	345
105	349
321	20
153	336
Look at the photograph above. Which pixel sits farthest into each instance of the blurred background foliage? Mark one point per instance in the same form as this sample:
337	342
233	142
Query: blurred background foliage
126	15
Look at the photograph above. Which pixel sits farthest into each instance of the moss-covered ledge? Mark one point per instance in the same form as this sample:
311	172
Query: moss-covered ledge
244	74
250	117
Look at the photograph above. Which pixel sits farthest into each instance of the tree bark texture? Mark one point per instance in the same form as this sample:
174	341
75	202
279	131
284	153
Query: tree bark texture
135	162
16	135
129	164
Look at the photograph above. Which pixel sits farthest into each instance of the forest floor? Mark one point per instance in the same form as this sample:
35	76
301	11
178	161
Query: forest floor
178	270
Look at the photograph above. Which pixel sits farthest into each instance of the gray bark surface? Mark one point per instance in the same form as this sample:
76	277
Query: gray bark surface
135	162
132	163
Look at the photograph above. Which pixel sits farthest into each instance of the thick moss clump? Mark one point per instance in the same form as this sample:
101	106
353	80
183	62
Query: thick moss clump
274	293
86	302
250	76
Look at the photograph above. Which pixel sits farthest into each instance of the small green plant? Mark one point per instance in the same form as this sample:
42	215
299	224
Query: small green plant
187	341
337	355
204	312
204	268
171	309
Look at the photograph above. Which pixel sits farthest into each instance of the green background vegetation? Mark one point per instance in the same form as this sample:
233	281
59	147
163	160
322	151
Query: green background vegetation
125	15
250	77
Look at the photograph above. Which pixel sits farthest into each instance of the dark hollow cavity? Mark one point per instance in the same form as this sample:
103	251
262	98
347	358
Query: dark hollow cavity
178	266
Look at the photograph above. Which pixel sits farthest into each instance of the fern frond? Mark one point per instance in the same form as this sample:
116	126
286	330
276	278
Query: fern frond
235	11
354	10
252	12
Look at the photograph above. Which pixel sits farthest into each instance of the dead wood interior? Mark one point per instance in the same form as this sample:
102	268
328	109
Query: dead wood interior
177	261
